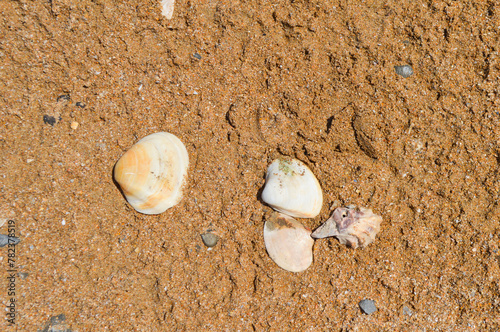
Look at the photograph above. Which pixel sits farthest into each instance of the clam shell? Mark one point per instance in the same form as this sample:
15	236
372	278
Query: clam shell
351	226
288	242
152	173
291	188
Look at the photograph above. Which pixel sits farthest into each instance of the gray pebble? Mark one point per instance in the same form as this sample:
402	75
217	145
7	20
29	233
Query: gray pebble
209	239
56	324
367	306
405	71
5	240
23	275
197	56
407	311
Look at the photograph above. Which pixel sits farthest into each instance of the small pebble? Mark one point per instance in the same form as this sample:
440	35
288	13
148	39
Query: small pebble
23	275
405	71
56	324
49	119
209	239
407	311
74	125
5	240
367	306
80	104
63	97
197	56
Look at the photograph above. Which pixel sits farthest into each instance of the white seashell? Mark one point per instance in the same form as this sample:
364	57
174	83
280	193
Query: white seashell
167	8
291	188
288	243
352	226
152	173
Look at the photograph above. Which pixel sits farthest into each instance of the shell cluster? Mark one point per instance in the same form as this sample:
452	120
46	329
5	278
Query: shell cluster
292	189
153	172
352	226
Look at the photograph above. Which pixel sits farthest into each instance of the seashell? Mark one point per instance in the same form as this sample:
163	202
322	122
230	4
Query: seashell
352	226
152	173
291	188
167	8
288	243
405	71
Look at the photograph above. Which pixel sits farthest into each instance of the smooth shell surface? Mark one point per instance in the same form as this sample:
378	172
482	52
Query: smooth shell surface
351	226
291	188
152	173
288	242
167	8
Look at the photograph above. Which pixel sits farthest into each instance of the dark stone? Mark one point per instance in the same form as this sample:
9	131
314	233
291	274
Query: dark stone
5	240
63	97
49	119
197	56
367	306
80	104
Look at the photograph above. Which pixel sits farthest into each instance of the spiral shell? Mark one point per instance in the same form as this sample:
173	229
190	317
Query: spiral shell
152	173
288	242
291	188
351	226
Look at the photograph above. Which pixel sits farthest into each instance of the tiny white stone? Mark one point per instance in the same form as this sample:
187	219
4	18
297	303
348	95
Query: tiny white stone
167	8
63	222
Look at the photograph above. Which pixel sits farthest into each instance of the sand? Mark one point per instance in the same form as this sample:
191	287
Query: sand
242	83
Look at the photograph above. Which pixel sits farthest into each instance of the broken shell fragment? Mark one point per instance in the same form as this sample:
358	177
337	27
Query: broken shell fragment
288	242
152	173
167	8
292	188
351	226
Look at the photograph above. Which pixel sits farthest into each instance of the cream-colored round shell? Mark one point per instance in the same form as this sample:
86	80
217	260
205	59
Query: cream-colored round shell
291	188
152	173
288	243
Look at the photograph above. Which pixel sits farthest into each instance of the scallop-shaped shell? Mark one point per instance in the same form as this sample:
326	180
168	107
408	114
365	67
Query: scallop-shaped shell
152	173
288	243
291	188
351	226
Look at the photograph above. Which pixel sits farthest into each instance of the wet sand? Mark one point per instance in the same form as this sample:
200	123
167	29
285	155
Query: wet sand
242	83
